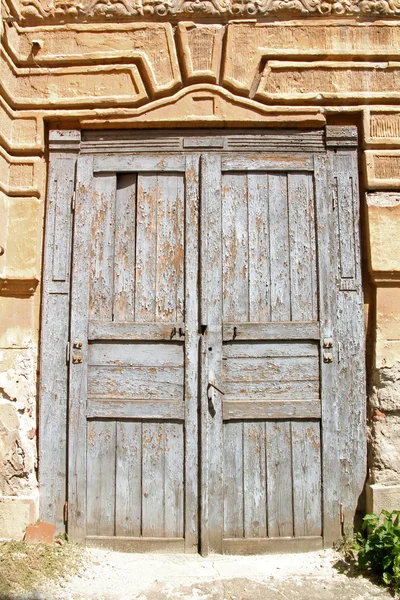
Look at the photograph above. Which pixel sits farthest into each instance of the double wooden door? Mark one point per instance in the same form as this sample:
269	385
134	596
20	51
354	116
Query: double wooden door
204	410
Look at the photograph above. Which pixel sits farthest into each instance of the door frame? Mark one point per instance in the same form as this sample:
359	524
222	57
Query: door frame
346	456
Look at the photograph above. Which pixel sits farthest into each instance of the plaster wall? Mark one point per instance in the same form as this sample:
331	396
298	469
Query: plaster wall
146	64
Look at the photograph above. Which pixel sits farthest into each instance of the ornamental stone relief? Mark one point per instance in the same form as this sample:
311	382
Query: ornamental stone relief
117	9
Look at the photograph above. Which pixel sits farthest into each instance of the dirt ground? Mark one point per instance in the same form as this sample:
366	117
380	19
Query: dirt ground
120	576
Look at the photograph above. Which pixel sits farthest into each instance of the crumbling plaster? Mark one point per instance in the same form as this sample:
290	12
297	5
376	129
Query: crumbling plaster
154	63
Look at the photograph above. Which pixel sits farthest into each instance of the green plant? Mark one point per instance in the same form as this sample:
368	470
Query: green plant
379	547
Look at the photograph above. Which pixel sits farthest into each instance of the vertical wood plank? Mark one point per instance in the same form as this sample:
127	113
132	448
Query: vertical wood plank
279	479
233	480
128	475
78	372
306	461
259	240
349	349
146	248
102	247
255	483
125	248
153	485
212	402
329	399
173	480
235	247
101	438
54	336
192	182
279	248
169	259
302	248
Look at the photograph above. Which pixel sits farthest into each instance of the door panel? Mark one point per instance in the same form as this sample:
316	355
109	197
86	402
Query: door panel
131	343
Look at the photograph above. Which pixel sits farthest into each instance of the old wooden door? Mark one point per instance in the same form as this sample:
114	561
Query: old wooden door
216	372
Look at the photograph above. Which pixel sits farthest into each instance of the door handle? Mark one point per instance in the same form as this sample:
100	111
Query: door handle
211	407
211	384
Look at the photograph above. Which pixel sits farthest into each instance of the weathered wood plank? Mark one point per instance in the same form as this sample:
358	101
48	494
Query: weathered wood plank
170	252
259	240
130	408
192	183
303	276
254	480
101	445
233	480
279	248
272	331
136	382
306	463
297	390
330	402
153	480
266	162
275	545
173	480
270	349
78	372
54	336
130	163
271	409
146	247
136	354
102	248
128	479
108	330
235	259
279	479
211	197
125	248
287	368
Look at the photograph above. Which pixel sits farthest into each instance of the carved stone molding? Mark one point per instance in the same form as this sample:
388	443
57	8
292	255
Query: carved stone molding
158	9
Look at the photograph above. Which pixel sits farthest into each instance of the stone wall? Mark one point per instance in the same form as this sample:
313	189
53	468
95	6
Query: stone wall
163	63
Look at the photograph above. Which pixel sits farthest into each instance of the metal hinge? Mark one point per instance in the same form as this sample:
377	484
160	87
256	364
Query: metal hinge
65	515
67	352
341	514
73	201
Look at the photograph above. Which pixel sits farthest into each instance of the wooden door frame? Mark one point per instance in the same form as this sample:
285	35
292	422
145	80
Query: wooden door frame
64	147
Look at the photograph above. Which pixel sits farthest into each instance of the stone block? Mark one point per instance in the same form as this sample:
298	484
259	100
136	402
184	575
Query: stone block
21	258
383	211
18	327
201	50
16	513
387	326
382	497
382	168
385	451
382	127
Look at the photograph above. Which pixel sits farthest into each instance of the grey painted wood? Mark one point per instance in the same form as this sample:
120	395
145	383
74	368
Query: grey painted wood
349	349
233	469
271	331
136	382
259	277
135	331
174	480
136	355
114	408
54	335
191	277
211	196
254	479
138	164
271	369
271	409
100	457
128	479
267	162
279	479
279	248
306	461
78	372
298	390
125	248
330	401
271	349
